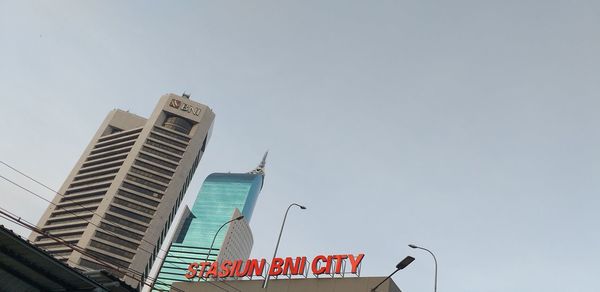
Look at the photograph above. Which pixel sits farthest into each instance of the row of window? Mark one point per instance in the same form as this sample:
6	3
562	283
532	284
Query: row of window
150	175
83	196
87	189
108	154
161	154
134	206
73	212
137	198
142	190
115	141
126	223
145	182
111	249
153	168
158	161
121	134
169	141
109	259
92	181
99	167
130	214
81	225
164	147
87	203
54	244
68	220
116	240
112	147
166	132
99	173
61	234
121	231
104	160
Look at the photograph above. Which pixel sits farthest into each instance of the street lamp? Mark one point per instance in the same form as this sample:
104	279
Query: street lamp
215	237
434	260
279	239
401	265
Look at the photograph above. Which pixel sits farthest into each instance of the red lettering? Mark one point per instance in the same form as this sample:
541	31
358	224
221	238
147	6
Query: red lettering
256	268
243	272
302	265
355	262
328	265
276	269
338	262
213	270
321	264
236	264
290	267
315	262
191	271
225	265
202	269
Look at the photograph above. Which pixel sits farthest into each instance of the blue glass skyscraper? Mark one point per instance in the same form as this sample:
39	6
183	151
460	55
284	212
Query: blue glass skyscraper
219	196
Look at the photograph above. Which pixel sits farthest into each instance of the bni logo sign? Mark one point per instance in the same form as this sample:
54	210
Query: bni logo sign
175	103
184	107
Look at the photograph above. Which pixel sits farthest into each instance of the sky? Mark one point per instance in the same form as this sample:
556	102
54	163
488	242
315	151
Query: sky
467	127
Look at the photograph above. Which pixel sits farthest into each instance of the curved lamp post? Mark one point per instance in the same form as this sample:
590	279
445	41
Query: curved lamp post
215	237
279	238
401	265
434	260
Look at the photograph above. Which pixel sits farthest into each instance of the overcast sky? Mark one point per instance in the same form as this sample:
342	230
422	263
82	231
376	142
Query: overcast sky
468	127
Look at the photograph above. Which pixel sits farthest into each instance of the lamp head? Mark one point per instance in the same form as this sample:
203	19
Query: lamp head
239	218
412	246
302	207
405	262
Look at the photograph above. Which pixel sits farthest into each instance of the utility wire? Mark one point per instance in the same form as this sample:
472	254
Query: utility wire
18	220
78	216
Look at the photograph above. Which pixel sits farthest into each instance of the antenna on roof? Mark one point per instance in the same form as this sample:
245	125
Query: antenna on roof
260	169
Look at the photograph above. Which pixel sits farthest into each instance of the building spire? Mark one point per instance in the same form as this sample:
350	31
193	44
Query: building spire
260	169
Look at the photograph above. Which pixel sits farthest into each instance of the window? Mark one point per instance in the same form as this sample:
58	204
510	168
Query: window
146	182
164	147
137	198
125	223
150	175
121	231
158	161
111	249
153	168
161	154
142	190
116	240
130	214
168	141
133	206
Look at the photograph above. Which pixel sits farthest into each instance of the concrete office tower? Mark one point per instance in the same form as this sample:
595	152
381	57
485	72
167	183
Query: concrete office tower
219	199
121	197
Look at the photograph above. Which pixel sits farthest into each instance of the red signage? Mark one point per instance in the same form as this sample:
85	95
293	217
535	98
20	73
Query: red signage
319	265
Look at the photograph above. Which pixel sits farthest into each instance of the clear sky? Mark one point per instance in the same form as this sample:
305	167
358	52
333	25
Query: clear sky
468	127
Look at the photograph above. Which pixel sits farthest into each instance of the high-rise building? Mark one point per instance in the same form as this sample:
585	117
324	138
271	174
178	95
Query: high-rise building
120	198
223	196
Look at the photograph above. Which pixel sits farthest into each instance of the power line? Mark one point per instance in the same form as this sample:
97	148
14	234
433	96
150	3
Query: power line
93	212
68	210
24	223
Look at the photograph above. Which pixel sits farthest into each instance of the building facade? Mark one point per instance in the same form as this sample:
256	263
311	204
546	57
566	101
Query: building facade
222	197
120	198
351	284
